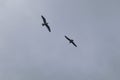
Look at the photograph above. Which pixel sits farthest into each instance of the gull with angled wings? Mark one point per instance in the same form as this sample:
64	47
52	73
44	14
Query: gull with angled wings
45	23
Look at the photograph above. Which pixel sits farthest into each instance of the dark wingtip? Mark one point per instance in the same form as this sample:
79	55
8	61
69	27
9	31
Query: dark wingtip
75	45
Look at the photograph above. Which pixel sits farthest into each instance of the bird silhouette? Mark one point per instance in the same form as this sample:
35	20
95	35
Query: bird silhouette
45	23
71	41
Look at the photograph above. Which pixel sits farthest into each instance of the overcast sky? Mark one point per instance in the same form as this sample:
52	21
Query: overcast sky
29	52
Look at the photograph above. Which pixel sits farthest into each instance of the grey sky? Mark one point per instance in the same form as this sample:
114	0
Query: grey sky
29	52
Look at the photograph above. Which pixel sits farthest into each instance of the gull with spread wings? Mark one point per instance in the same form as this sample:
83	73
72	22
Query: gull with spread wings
45	23
71	41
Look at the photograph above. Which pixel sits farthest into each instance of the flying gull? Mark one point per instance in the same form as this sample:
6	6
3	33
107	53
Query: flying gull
45	23
71	41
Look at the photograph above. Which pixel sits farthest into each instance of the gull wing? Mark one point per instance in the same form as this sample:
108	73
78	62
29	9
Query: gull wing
44	20
48	27
67	38
74	44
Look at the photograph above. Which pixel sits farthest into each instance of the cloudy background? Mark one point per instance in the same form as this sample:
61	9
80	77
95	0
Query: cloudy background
29	52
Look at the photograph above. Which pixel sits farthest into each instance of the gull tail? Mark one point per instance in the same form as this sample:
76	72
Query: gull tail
43	24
